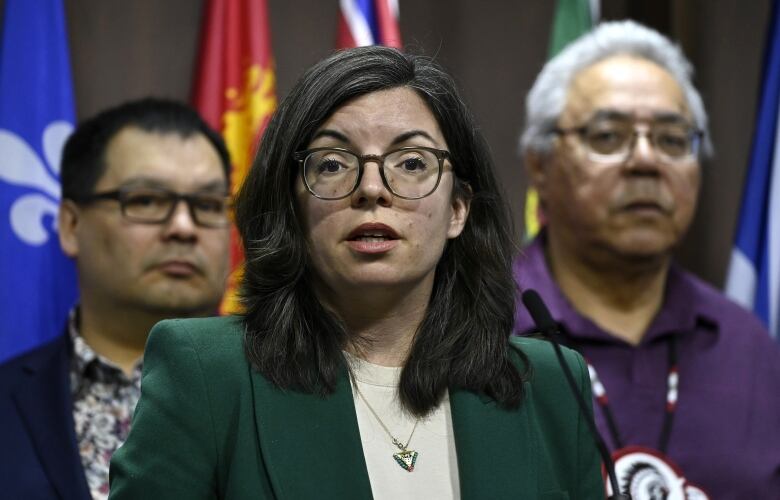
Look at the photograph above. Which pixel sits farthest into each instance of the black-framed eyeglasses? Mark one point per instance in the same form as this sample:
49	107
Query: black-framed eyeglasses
149	205
410	173
612	139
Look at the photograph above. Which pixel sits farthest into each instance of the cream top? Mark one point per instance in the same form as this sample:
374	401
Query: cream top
435	473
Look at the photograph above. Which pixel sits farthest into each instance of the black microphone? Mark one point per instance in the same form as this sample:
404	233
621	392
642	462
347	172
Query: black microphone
546	325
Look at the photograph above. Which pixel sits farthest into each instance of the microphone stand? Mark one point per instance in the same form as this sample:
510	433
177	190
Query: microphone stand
541	316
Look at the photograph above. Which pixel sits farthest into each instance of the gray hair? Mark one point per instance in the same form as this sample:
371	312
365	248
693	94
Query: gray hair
547	98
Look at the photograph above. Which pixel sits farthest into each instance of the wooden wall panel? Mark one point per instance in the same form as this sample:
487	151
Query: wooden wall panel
726	45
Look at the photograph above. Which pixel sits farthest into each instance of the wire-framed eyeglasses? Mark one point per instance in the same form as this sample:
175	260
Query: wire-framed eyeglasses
410	173
149	205
612	138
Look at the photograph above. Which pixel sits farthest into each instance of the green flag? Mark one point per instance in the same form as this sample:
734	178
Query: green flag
572	18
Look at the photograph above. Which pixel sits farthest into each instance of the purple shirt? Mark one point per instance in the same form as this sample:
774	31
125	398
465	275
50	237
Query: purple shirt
726	431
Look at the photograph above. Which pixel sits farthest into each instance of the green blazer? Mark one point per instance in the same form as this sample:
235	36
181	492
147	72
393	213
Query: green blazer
208	426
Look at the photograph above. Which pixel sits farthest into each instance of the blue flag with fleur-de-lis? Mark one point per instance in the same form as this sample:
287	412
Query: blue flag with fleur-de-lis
37	282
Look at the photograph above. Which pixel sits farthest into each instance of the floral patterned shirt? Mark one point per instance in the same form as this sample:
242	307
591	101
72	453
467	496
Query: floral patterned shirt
104	399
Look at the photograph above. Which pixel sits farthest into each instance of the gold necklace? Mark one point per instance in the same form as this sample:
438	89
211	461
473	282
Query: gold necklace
406	458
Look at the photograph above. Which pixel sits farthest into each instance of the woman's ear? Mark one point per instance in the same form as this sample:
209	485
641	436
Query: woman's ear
461	203
67	222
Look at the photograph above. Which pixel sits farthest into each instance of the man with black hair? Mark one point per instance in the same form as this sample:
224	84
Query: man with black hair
144	214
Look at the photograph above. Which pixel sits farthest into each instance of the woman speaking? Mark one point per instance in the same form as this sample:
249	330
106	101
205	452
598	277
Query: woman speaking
373	357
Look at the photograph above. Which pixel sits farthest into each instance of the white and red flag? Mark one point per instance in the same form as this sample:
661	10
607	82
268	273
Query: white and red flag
368	22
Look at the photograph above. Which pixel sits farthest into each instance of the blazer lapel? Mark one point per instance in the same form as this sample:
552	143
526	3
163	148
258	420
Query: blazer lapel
44	402
310	445
495	448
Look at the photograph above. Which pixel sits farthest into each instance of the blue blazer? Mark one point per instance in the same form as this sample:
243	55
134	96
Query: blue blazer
39	456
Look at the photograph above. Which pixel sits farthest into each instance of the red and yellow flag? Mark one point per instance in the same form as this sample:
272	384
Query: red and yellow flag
235	91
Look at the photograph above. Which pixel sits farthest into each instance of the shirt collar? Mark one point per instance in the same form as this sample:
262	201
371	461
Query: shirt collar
682	310
85	362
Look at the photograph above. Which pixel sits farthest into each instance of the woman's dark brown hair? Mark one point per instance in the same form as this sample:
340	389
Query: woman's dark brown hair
291	338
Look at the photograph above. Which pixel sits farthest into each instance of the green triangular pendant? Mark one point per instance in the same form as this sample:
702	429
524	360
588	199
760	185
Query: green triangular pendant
406	459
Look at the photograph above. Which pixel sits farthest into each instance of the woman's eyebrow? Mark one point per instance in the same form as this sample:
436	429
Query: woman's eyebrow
412	133
326	132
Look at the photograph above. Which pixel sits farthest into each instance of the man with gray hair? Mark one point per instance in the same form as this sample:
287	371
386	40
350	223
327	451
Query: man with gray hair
686	383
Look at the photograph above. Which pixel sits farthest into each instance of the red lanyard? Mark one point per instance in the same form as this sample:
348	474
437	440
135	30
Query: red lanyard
672	383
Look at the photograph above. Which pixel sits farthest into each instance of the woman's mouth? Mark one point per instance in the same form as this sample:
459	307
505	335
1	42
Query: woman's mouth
372	238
